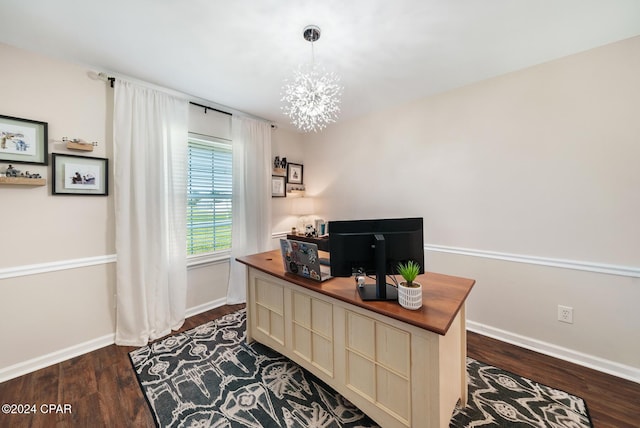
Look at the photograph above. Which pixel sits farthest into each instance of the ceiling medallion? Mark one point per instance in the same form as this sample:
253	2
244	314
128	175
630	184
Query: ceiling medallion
312	97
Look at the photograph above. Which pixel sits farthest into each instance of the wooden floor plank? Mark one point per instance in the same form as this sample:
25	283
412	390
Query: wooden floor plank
102	388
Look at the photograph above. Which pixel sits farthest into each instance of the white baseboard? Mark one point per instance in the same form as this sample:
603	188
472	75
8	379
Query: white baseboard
593	362
55	357
206	307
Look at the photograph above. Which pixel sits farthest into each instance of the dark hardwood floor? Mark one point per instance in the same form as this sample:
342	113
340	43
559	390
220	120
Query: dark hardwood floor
102	390
612	402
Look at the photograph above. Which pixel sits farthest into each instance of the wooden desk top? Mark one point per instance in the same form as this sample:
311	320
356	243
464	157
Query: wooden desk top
442	295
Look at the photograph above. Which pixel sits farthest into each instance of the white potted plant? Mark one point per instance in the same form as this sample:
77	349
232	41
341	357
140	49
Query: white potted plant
409	291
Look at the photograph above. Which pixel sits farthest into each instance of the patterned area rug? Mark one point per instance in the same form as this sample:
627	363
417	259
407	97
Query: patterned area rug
498	398
209	377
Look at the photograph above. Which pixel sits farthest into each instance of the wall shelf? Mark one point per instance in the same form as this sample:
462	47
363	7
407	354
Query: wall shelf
72	145
24	181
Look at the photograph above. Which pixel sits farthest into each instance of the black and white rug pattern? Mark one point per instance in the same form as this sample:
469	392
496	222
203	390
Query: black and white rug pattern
498	398
210	377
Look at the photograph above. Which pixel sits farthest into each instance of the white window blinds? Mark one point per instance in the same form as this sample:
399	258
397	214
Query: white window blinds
208	196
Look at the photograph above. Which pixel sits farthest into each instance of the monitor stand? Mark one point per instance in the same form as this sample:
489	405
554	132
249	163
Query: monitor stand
380	290
369	292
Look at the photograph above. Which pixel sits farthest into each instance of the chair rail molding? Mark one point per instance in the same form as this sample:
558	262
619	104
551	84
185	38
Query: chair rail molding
610	269
35	269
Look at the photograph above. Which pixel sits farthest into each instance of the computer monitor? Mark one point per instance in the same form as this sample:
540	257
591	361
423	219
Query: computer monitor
375	247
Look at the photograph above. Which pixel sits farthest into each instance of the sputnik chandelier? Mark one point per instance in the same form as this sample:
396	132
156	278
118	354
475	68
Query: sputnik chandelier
312	97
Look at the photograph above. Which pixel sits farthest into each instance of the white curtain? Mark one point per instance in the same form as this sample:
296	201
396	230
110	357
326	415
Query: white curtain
150	166
251	140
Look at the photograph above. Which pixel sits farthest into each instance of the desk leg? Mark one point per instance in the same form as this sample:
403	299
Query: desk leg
249	308
464	387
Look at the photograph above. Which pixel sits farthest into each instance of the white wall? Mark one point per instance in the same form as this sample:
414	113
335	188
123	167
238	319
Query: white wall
541	162
57	258
44	313
289	144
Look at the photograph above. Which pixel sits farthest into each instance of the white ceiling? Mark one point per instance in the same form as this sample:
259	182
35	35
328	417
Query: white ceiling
238	53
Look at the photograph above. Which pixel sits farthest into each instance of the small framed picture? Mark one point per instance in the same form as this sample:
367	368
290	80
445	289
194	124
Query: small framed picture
321	227
23	141
79	175
294	173
278	187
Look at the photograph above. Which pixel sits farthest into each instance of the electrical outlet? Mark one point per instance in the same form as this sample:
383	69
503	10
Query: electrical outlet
565	314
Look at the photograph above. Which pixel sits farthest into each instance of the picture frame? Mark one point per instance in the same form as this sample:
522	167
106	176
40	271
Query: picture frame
278	186
23	141
321	227
294	173
79	175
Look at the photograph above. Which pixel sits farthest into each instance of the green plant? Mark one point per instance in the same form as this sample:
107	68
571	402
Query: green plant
409	272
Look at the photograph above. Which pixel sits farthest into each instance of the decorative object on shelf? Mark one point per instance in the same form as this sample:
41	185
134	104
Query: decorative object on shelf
310	231
11	171
302	207
80	175
294	173
23	141
312	98
321	227
15	176
409	291
78	144
295	188
279	166
278	187
279	163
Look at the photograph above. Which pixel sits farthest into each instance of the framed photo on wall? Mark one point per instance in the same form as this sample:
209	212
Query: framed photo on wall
278	186
23	141
79	175
294	173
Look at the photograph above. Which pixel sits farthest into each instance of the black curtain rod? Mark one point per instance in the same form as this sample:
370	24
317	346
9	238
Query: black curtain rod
220	111
210	108
113	79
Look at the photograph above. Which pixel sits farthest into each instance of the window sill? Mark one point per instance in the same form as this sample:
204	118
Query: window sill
209	258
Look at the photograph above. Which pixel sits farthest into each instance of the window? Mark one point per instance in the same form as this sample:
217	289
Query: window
208	195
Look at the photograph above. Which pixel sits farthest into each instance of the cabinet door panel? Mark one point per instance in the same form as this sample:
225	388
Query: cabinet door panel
393	348
269	307
361	375
392	392
323	353
361	334
302	341
302	309
322	317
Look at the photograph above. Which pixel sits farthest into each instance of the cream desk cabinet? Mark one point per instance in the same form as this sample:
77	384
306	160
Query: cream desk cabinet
402	368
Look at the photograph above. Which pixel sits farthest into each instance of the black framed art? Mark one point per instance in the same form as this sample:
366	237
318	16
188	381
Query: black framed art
23	141
294	173
79	175
278	187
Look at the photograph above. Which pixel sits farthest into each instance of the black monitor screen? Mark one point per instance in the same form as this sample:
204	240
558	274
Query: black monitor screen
352	245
